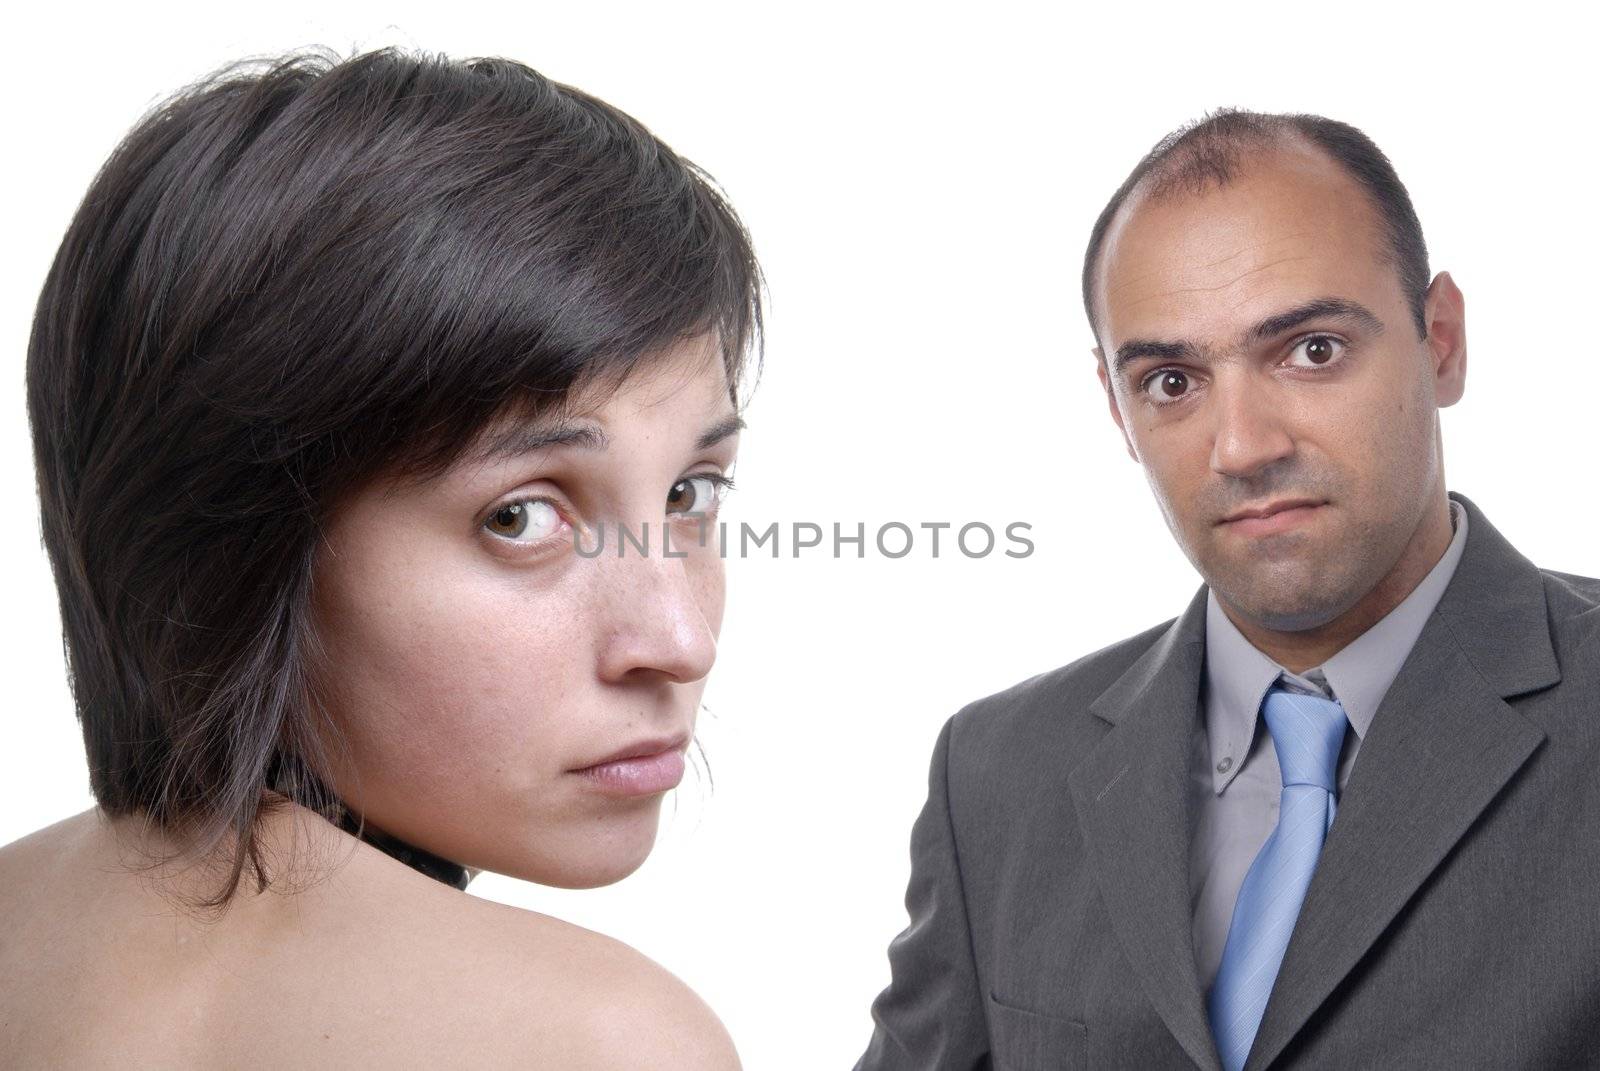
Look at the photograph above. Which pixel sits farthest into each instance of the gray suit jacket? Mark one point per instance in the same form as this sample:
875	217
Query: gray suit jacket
1453	921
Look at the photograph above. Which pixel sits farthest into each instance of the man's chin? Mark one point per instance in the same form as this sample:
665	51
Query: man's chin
1294	604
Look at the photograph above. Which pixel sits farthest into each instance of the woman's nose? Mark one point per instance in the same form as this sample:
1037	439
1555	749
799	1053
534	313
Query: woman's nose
659	613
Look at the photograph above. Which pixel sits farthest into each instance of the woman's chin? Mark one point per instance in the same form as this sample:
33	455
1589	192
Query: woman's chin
588	873
590	858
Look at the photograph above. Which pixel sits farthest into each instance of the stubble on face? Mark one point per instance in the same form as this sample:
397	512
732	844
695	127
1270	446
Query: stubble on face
1202	269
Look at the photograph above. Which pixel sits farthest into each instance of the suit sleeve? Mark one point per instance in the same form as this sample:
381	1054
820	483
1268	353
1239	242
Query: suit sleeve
930	1018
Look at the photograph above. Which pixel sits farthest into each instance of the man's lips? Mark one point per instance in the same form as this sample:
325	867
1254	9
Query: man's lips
1267	510
1273	517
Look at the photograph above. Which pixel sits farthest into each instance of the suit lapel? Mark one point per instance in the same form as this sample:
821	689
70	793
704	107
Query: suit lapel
1442	745
1131	794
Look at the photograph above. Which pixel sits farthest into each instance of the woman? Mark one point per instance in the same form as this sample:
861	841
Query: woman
341	372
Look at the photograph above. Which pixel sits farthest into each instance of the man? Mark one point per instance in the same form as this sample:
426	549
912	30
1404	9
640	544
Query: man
1100	876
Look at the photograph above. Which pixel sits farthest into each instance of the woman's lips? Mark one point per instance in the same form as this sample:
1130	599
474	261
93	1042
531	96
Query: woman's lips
641	775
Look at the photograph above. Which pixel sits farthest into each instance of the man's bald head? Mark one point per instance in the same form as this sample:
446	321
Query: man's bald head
1213	151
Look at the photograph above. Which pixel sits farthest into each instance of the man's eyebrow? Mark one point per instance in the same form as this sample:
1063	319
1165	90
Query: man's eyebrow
1139	348
719	431
1312	310
1276	324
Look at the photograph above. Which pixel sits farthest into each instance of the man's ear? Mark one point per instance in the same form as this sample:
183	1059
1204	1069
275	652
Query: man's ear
1111	400
1445	313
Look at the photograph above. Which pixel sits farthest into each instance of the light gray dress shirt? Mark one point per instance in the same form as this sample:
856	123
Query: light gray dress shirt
1235	782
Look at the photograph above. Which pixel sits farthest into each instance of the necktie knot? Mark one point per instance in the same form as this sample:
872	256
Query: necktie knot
1307	732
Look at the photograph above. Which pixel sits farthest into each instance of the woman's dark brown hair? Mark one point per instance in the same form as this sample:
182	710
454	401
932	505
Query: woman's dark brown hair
291	277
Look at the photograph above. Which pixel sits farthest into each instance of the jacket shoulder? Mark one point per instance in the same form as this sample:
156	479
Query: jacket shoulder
1572	604
1052	697
1570	593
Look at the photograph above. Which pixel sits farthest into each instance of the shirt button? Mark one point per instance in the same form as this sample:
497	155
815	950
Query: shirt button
1225	765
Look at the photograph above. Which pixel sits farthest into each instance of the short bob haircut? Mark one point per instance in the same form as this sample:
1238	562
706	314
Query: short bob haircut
297	275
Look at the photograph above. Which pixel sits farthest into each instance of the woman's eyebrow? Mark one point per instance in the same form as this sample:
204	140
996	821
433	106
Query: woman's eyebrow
719	431
517	441
520	440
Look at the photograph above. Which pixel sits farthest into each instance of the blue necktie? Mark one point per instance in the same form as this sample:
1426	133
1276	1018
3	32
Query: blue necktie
1307	733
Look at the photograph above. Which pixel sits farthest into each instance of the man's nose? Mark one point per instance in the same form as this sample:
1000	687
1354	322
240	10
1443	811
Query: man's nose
655	618
1252	429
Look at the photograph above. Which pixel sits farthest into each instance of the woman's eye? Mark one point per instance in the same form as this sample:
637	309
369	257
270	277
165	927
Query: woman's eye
1320	350
697	494
528	520
1166	385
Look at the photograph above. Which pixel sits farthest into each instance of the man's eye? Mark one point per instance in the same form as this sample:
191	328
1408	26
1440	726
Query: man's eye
698	494
1319	350
526	521
1166	385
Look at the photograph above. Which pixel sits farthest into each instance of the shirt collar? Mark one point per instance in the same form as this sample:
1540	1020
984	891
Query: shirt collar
1238	675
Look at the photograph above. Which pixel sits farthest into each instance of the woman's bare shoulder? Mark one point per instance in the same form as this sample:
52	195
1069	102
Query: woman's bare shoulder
41	844
29	865
511	986
459	974
595	1003
372	965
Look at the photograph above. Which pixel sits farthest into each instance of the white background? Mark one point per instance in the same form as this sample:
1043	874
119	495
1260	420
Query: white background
920	187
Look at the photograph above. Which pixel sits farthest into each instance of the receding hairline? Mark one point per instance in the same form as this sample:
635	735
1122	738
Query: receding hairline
1216	161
